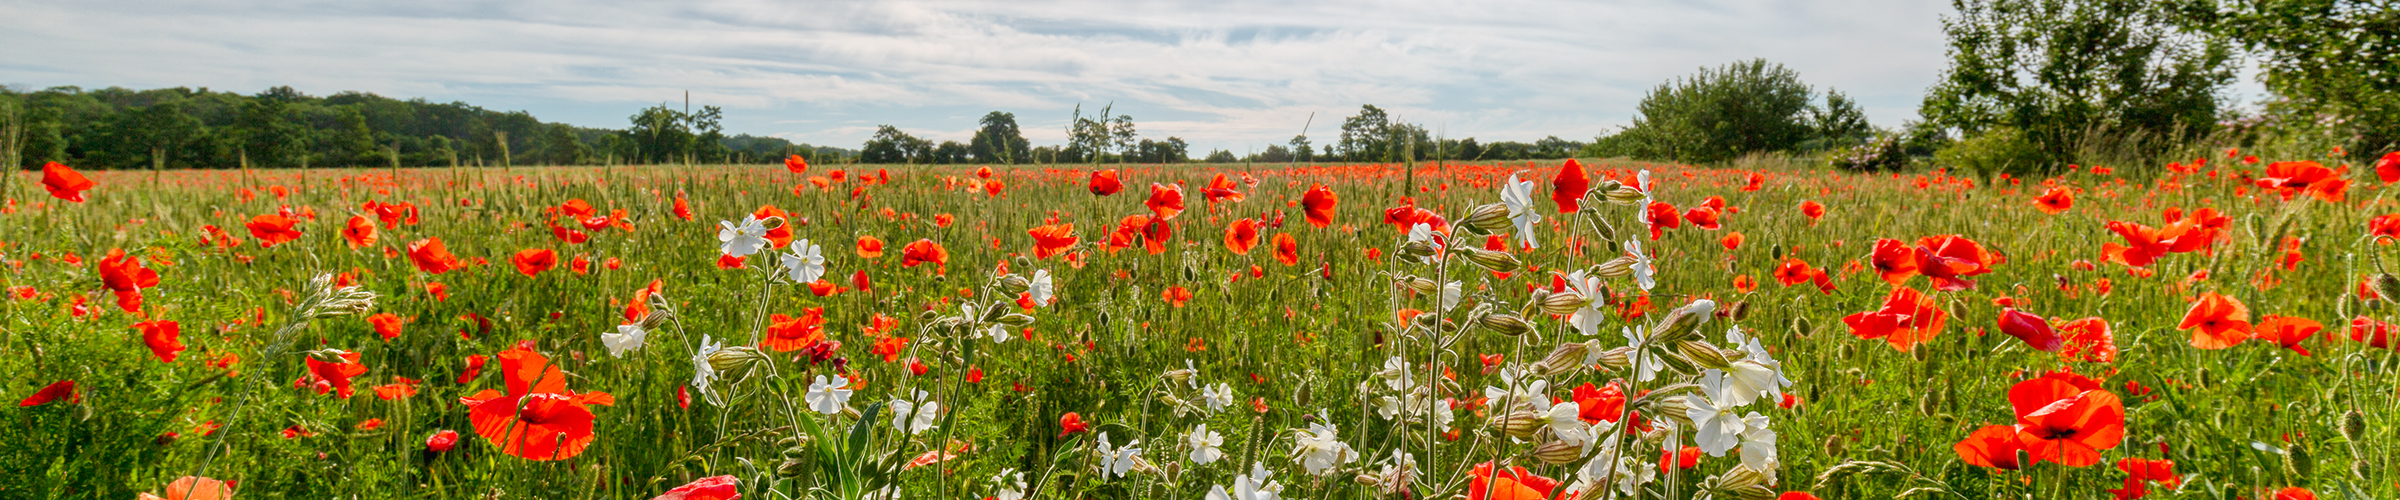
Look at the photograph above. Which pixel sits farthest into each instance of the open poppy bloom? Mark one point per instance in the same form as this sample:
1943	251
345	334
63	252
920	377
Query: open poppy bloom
1165	201
125	276
2062	423
2144	244
683	207
796	164
1515	483
1893	260
162	337
2055	201
1052	239
1598	404
386	325
1241	236
2030	328
870	247
1569	186
2089	340
531	262
538	418
359	232
273	229
64	182
787	334
334	377
63	389
2216	321
707	488
193	488
429	256
1317	204
1993	446
1071	423
1813	210
2287	331
1908	317
1287	250
1220	190
1105	182
1702	217
1660	216
2293	177
1948	260
924	251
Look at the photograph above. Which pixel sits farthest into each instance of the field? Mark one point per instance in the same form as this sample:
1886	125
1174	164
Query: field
2211	328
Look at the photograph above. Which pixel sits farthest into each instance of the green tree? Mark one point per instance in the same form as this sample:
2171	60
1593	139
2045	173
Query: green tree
1300	150
2062	71
1722	113
2327	57
999	141
354	142
161	130
891	145
1839	122
660	134
1366	136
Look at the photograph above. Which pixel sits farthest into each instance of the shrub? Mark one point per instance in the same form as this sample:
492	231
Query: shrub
1996	151
1882	154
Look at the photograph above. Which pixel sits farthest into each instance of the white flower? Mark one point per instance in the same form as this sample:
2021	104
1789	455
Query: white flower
1753	352
1758	446
627	338
1443	414
1204	443
908	416
1643	272
1718	428
827	396
1041	286
1003	488
1451	293
1395	375
1252	486
1217	396
1518	196
997	332
702	372
741	240
1117	461
806	263
1424	233
1746	380
1632	474
1319	448
1507	398
1563	421
1645	361
1586	319
1642	183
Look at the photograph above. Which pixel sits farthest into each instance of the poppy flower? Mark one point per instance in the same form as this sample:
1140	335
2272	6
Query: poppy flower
2287	331
359	232
440	292
683	207
707	488
386	325
870	247
796	164
1219	190
2294	177
1514	483
538	418
1893	260
2295	493
64	182
1071	423
193	488
1052	239
2385	228
63	389
781	235
2055	201
531	262
125	276
787	334
1176	295
2062	423
2142	469
1908	317
1568	187
859	281
1241	236
732	262
1105	182
1165	201
1793	271
441	441
1599	404
1660	216
474	368
273	229
335	377
2387	169
1993	446
1317	204
1732	241
1949	259
2089	340
2032	329
162	337
924	251
1287	250
1813	210
430	256
1702	217
2216	321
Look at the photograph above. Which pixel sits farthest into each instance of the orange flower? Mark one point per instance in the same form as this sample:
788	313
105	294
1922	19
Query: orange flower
2292	177
2216	321
429	256
193	488
1165	201
1515	483
359	232
1287	250
273	229
1813	210
890	347
2030	328
1908	317
538	418
683	208
1052	239
1949	259
334	376
2065	424
1317	204
1660	216
782	233
1568	187
2288	331
1219	190
161	336
2055	201
1993	446
796	164
1069	423
386	325
1241	236
126	277
1105	182
1732	241
1702	217
1176	295
924	251
64	182
531	262
2089	340
787	334
1745	284
870	247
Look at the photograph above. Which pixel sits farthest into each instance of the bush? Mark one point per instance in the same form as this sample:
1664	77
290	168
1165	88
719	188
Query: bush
1882	154
1996	151
1726	112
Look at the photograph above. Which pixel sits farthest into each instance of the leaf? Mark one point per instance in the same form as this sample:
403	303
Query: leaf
857	444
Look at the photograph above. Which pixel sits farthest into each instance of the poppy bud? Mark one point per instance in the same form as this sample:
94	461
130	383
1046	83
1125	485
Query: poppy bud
791	468
1700	353
1011	285
1619	267
1490	260
1562	303
2360	468
1739	311
1835	446
1507	324
2354	425
1014	319
1487	219
2387	286
796	450
1558	451
2297	461
1520	423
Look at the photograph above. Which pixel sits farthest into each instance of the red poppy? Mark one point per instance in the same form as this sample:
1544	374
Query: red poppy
1949	259
1908	317
162	337
732	262
1813	210
2032	329
1105	182
1792	495
796	164
1514	483
2287	331
327	376
1220	190
1598	404
1568	187
531	262
400	388
787	334
1071	423
870	247
194	488
2383	227
1317	204
2062	423
1287	250
1993	446
441	441
2055	201
1165	201
2387	168
64	182
126	277
1241	236
2292	177
429	256
359	232
1893	260
2089	340
2161	471
1052	239
707	488
924	251
1732	241
781	235
683	207
538	418
2216	321
1793	271
859	281
2295	493
273	229
474	368
1702	217
1660	216
386	325
1176	295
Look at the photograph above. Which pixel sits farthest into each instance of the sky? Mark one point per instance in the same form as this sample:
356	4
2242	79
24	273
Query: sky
1222	74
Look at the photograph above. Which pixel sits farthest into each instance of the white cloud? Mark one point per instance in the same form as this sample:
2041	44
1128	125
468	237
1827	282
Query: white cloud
1233	74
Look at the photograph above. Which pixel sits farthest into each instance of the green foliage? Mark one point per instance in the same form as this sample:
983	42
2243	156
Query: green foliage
1882	154
999	142
1726	112
2339	58
891	145
2059	71
1996	151
1223	156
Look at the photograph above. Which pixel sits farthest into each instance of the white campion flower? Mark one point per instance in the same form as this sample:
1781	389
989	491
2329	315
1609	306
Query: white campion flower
1588	318
1758	446
827	396
1117	461
1641	182
626	338
1042	287
1716	427
1517	195
1746	381
1644	274
1563	421
1217	396
1645	362
743	239
702	372
1395	375
909	416
806	263
1009	485
1204	443
1252	486
1320	448
1632	474
997	332
1443	414
1423	232
1753	351
1452	292
1513	394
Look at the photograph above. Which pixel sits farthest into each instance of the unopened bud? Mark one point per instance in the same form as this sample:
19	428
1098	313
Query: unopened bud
1684	321
1619	267
1558	451
791	468
2354	425
1739	311
1507	324
733	363
1668	356
1835	446
1566	302
1740	477
1700	353
1367	479
1619	358
2387	286
1014	320
1010	285
1492	260
1677	408
328	355
1179	374
1755	492
1564	358
1416	284
1520	423
2297	461
1419	249
1623	195
1487	219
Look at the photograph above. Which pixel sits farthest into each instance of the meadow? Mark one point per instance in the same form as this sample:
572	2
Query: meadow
2211	326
